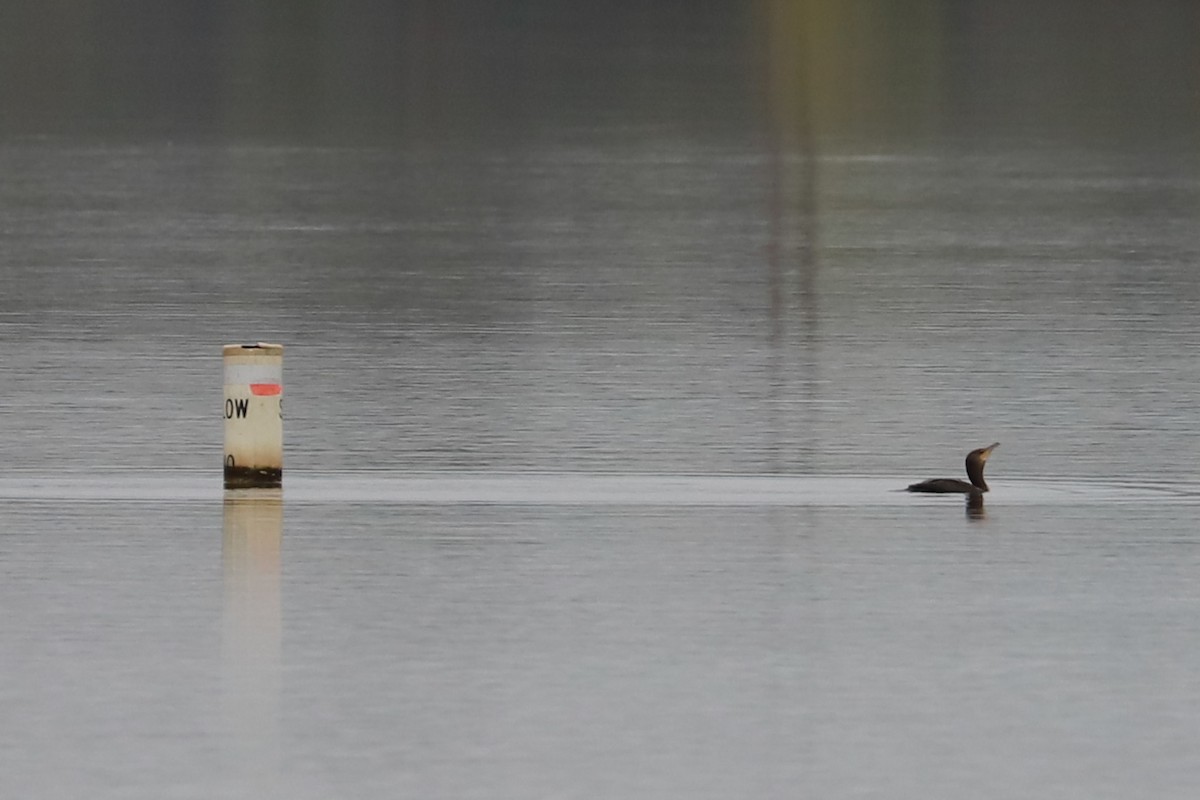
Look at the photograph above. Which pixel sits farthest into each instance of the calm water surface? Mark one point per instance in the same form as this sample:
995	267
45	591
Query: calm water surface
488	651
604	358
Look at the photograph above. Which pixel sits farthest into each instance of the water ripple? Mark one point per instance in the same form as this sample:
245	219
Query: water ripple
583	489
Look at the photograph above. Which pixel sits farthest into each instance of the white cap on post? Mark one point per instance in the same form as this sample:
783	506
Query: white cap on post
253	415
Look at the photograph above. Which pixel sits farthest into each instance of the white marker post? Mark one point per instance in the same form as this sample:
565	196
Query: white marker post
253	415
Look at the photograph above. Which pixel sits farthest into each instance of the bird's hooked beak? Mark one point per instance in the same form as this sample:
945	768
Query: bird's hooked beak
984	452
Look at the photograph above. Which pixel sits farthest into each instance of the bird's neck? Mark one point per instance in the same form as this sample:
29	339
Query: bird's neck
975	473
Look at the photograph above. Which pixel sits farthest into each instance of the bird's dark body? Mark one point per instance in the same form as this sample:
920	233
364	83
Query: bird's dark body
944	486
975	461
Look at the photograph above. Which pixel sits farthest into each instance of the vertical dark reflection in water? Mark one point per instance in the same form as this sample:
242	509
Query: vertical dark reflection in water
791	251
974	508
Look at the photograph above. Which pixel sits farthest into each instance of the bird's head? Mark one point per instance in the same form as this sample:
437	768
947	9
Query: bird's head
983	452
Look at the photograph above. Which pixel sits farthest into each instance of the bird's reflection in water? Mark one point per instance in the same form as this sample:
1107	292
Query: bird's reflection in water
975	509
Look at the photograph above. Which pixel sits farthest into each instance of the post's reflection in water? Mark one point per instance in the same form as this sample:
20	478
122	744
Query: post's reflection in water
251	635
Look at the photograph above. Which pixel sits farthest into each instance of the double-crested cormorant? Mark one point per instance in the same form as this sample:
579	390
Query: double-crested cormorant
975	461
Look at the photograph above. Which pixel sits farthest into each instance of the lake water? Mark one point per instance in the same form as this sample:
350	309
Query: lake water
610	341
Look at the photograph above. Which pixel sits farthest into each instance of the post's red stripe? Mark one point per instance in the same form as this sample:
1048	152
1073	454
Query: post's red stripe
261	389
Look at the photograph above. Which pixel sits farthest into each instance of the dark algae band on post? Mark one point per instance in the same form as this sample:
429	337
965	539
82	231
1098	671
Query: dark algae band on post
976	459
252	477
